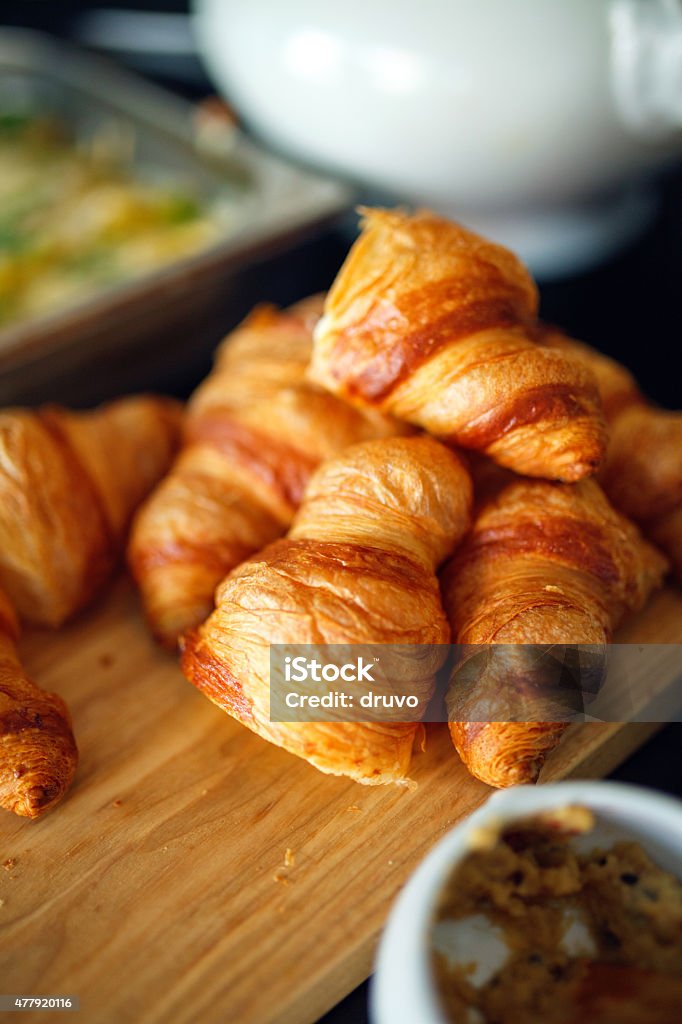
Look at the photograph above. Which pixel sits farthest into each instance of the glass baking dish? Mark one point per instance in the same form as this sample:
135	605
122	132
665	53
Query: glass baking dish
261	205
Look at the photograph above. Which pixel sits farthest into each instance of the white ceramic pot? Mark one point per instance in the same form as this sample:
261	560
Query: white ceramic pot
512	115
403	991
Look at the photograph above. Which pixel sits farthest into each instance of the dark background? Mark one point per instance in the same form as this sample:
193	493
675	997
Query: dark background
630	307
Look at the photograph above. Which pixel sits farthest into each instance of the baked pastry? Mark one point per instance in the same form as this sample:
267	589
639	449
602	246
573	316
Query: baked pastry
642	472
642	475
38	754
69	483
358	567
544	564
434	325
255	431
618	388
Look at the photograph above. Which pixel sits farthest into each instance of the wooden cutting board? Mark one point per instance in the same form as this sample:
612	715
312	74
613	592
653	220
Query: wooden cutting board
161	890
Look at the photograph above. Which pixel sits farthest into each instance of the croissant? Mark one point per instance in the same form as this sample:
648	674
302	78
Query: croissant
357	567
618	388
255	431
642	473
545	563
434	325
69	483
38	754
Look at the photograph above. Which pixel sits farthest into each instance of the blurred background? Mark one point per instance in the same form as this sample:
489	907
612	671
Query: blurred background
608	258
153	36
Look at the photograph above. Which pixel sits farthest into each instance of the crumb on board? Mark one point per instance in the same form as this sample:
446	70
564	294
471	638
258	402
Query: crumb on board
354	807
2	902
281	874
10	863
117	803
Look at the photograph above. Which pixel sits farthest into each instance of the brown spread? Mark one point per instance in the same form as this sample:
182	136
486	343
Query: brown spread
533	886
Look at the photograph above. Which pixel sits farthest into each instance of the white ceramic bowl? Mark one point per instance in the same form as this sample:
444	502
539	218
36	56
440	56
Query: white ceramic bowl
514	117
403	991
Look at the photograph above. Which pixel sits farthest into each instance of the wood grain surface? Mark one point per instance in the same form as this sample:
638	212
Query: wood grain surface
161	890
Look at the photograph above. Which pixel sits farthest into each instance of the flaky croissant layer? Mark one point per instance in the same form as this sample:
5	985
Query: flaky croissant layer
643	475
255	431
544	564
432	324
642	472
358	567
38	754
69	483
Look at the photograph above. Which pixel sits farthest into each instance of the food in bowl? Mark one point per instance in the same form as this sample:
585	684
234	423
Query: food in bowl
562	931
75	219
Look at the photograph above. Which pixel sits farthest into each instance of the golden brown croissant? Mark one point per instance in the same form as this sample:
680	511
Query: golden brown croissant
255	431
544	564
642	473
358	567
434	325
38	754
69	483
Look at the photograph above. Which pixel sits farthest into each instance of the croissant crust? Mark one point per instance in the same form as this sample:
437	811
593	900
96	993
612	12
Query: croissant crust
436	326
69	483
642	473
38	754
255	431
357	568
544	564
